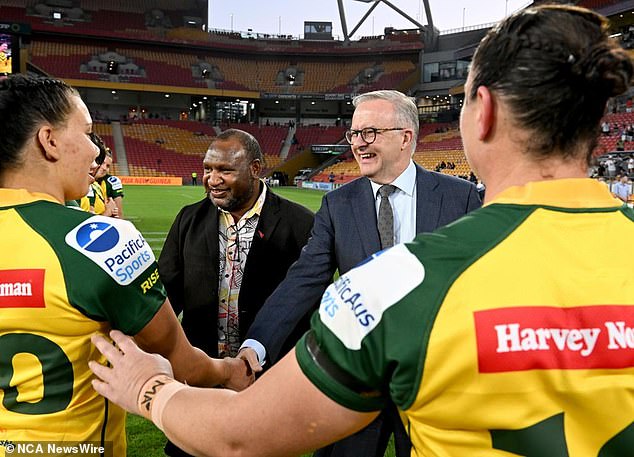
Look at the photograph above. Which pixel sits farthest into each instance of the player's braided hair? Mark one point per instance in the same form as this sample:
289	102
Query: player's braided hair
593	65
556	67
25	103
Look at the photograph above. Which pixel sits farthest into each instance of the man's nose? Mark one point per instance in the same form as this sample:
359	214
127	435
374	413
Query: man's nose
214	178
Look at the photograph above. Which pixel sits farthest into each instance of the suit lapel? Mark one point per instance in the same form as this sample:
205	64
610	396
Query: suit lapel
269	217
362	204
428	201
267	223
212	234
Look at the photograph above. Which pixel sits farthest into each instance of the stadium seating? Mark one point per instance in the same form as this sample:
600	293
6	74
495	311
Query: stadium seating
608	143
309	135
175	68
438	142
137	6
344	170
158	160
176	148
165	148
270	138
326	76
619	118
596	4
234	63
430	159
105	132
66	60
13	12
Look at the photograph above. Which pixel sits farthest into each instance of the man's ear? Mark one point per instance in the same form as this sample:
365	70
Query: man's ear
48	143
407	139
486	112
256	168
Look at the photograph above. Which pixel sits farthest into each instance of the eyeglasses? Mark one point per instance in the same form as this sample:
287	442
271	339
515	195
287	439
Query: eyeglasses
368	134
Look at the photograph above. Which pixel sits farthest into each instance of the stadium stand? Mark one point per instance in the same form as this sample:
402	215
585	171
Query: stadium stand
125	56
270	138
309	135
150	159
619	124
172	68
437	143
596	4
171	148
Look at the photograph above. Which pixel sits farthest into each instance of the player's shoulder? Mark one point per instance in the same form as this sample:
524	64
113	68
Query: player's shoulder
355	304
50	217
98	232
115	245
114	182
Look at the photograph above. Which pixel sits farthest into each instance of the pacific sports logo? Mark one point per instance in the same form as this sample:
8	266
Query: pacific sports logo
115	245
542	337
97	237
354	305
22	288
115	182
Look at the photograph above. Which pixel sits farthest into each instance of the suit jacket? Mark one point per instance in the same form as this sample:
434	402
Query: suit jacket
189	264
345	233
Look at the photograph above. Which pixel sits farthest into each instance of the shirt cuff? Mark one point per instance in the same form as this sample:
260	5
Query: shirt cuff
257	347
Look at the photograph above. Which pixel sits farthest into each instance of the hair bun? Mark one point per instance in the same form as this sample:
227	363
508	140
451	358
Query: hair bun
606	68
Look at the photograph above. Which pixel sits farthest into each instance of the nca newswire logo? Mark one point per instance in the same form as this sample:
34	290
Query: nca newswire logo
115	245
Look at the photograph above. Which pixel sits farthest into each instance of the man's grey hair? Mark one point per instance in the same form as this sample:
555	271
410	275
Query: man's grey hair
404	107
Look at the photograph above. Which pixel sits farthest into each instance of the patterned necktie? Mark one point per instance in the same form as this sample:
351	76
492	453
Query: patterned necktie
386	217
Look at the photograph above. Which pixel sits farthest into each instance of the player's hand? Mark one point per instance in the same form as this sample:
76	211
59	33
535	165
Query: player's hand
250	356
131	368
238	374
111	209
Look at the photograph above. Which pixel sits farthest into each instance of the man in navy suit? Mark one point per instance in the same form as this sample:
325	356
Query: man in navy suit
383	139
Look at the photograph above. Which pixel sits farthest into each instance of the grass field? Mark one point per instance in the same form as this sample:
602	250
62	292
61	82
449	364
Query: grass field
153	209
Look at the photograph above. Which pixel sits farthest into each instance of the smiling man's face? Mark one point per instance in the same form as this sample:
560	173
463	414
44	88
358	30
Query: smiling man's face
387	157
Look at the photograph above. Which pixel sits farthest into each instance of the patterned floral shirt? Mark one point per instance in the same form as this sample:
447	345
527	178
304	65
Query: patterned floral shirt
235	241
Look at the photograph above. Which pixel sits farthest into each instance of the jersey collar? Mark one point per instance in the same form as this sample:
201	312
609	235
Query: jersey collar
564	193
13	197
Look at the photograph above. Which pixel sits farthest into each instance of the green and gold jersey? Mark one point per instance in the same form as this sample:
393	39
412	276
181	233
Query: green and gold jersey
84	203
113	186
508	332
97	197
64	276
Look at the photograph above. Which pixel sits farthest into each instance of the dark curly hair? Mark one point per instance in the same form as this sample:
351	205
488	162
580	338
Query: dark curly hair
248	141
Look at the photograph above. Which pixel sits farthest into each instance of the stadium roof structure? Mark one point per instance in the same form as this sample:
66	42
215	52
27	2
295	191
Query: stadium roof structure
375	3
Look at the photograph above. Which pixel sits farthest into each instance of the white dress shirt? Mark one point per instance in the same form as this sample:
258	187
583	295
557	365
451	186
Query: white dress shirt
403	201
